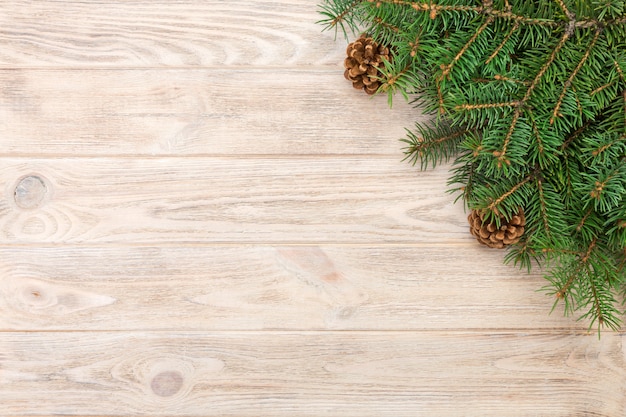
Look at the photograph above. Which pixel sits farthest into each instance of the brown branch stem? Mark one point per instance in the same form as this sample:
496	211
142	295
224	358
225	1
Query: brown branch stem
584	219
468	106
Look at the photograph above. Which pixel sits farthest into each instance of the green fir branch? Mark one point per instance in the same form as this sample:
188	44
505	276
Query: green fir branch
432	145
528	101
341	14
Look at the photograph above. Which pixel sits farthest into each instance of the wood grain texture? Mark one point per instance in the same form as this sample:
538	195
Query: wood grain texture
200	217
255	200
336	374
132	33
256	288
192	112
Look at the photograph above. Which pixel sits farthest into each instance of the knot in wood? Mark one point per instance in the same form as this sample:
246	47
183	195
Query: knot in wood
30	192
167	383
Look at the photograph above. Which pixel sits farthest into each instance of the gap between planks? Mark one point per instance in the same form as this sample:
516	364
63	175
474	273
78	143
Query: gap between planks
335	68
233	244
60	156
494	332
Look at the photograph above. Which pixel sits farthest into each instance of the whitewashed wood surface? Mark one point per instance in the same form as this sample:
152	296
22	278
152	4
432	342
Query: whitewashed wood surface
200	217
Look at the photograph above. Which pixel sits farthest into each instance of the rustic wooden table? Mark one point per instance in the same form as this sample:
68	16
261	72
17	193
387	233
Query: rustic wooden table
200	217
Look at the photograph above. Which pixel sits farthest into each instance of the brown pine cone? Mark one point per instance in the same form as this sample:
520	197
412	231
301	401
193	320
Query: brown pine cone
365	57
489	234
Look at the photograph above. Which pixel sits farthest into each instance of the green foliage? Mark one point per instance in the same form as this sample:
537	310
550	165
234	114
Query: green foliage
528	100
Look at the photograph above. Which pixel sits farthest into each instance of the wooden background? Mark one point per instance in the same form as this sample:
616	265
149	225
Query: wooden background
200	217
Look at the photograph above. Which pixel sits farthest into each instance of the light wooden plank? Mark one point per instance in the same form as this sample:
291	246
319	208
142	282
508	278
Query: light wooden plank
220	200
184	112
283	287
127	33
294	374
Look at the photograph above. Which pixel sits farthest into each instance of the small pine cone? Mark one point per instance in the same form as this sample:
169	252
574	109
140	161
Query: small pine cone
489	234
365	57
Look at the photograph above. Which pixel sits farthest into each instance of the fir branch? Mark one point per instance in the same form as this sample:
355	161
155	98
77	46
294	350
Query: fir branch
379	21
619	70
465	170
340	18
589	24
506	39
404	79
564	289
531	99
570	15
467	106
540	147
523	254
607	146
434	9
608	186
602	88
621	266
414	46
575	135
544	209
597	304
501	155
615	22
493	205
624	102
582	222
523	19
433	144
440	99
597	290
568	83
499	77
447	68
339	13
394	78
587	254
560	251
